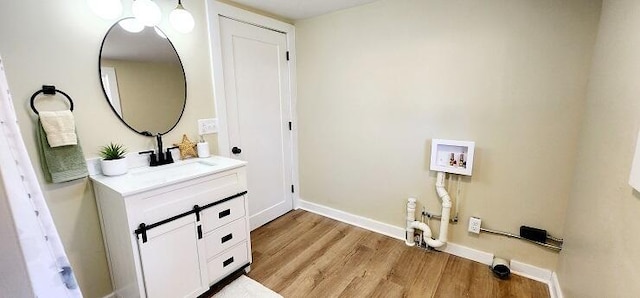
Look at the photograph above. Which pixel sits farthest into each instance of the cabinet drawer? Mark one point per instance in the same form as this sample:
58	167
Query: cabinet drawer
227	262
222	214
224	237
181	198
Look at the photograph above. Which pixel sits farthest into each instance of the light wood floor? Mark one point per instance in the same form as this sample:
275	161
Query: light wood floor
302	254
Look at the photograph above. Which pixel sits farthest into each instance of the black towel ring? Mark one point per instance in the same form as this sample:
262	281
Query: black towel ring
49	90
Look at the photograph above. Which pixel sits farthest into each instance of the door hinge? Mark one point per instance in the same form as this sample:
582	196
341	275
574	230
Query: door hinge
287	55
292	189
290	125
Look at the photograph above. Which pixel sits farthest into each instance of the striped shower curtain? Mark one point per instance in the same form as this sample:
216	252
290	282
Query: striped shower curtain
47	265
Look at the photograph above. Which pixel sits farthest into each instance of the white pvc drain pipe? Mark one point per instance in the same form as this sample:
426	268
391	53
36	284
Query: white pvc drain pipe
413	224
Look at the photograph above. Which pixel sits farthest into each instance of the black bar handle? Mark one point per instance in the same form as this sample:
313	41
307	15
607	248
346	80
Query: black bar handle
226	238
224	213
227	262
223	200
143	228
199	232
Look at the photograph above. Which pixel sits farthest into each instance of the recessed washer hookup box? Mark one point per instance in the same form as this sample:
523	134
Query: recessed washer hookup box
450	156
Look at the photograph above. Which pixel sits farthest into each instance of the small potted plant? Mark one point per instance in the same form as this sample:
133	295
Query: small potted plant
113	161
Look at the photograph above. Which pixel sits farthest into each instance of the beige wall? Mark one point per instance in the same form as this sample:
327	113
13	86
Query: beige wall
151	93
601	256
376	83
58	42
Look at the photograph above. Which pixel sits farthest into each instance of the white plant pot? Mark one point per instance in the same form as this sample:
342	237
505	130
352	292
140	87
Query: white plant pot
114	167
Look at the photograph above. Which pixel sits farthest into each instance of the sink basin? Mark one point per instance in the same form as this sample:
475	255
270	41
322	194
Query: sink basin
145	178
172	171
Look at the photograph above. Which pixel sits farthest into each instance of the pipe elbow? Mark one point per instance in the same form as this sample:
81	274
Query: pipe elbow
435	243
426	231
418	225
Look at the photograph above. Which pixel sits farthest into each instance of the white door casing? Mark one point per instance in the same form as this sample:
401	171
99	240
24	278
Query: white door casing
255	101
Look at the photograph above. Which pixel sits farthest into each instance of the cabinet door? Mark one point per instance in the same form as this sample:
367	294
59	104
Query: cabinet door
173	262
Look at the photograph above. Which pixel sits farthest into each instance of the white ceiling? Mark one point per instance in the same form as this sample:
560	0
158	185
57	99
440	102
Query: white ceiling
301	9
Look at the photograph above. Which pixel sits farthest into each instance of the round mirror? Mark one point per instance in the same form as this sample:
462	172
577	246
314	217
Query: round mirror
142	77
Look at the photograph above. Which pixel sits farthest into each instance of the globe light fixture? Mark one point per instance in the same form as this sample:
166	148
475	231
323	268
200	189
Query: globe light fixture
147	12
181	20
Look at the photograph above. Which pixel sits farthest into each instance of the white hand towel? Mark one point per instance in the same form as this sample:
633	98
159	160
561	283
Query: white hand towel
59	127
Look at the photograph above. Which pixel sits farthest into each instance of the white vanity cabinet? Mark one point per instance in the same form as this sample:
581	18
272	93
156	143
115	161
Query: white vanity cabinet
174	230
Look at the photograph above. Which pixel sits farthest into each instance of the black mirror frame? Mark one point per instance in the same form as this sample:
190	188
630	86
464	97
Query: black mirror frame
184	74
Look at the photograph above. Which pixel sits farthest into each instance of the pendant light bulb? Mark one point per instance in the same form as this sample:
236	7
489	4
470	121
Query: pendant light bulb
147	12
181	19
106	9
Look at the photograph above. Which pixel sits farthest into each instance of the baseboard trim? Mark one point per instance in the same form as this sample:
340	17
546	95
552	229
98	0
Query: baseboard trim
554	287
112	295
352	219
529	271
539	274
468	253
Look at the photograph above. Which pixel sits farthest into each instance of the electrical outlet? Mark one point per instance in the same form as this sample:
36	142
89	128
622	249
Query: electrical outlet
474	225
207	126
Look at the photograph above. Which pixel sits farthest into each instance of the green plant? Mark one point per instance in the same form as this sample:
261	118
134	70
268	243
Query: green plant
112	151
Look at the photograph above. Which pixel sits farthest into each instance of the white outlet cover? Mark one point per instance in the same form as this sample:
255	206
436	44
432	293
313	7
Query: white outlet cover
474	225
207	126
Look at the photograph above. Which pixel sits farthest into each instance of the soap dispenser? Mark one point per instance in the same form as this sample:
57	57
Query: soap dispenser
203	148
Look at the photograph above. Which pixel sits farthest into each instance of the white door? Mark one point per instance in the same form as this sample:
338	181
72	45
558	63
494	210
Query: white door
258	101
173	262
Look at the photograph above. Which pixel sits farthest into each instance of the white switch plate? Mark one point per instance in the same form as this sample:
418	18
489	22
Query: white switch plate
207	126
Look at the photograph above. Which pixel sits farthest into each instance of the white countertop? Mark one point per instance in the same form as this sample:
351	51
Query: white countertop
146	178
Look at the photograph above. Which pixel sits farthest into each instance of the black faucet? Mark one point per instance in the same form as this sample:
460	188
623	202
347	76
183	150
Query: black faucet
159	158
